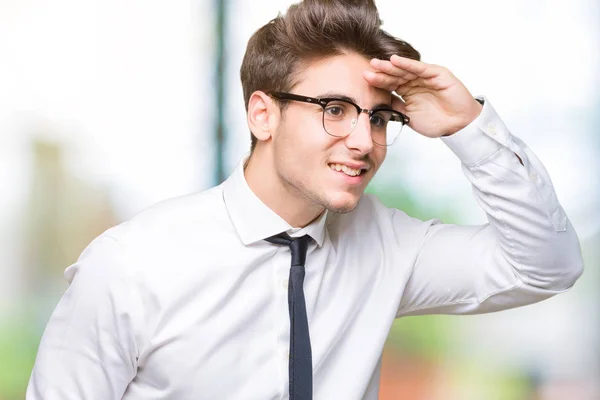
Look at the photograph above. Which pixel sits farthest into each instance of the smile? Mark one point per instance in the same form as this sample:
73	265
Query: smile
345	169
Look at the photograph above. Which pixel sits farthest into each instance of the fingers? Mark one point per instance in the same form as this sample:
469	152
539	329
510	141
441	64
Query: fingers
393	83
388	76
415	67
400	73
391	69
383	80
411	87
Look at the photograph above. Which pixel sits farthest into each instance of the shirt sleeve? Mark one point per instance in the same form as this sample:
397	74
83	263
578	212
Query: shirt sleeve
528	250
88	349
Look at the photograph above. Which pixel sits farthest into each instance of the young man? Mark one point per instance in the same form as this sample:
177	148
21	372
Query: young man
195	298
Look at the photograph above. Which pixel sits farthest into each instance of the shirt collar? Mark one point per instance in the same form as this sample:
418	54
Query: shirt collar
253	220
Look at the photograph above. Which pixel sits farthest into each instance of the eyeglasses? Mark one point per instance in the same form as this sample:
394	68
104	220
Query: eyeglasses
340	117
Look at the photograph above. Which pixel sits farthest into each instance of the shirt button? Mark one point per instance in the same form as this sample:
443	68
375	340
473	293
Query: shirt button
533	176
492	130
285	283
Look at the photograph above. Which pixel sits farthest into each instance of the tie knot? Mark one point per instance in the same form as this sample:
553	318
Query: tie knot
298	246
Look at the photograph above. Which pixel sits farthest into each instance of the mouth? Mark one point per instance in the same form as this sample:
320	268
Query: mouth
349	171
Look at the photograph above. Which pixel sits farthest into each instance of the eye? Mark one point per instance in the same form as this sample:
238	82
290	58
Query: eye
378	120
335	110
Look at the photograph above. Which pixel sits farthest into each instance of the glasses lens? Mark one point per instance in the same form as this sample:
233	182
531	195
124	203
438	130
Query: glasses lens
393	126
339	118
386	127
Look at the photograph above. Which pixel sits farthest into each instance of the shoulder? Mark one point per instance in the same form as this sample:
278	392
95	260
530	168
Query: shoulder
141	265
172	218
165	232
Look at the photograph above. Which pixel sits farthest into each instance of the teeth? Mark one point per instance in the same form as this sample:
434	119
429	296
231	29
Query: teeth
347	170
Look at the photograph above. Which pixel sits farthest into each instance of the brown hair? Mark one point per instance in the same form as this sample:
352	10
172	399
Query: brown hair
314	29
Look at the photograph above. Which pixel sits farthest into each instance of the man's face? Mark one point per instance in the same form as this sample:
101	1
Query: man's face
307	158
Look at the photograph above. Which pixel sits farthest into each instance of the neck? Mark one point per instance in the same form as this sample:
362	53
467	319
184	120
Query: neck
285	201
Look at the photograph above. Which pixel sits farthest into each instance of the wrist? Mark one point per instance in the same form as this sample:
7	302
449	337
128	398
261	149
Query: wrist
473	113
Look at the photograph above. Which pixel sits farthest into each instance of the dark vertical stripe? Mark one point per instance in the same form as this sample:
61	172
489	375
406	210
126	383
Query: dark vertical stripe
219	106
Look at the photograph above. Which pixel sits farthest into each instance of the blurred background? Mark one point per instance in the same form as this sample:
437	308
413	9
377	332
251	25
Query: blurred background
107	107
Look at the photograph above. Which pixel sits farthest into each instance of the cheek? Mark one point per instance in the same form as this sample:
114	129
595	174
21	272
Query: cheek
379	154
304	138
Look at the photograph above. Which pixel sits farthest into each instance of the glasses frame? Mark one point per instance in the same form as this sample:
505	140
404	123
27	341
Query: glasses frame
323	102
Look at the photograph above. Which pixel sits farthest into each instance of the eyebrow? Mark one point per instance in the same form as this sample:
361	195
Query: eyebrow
351	99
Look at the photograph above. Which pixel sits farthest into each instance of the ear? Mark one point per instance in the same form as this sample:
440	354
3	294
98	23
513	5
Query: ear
263	115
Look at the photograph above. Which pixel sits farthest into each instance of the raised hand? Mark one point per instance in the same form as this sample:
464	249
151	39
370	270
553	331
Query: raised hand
437	103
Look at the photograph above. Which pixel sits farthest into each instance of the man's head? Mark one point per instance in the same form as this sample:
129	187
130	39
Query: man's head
319	48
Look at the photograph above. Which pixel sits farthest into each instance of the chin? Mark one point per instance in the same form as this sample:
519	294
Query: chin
342	203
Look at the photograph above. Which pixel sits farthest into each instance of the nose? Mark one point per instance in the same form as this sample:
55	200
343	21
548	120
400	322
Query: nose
360	138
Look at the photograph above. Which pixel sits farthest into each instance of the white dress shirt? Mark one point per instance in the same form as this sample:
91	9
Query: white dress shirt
187	301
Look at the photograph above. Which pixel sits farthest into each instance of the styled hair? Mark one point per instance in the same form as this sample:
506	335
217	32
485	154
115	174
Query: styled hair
313	30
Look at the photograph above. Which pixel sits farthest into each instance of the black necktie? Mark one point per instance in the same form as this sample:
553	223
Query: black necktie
300	363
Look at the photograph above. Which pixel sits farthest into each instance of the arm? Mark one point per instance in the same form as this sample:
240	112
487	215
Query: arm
88	350
527	252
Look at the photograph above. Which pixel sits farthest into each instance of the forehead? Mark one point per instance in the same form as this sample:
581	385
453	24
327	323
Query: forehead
342	74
